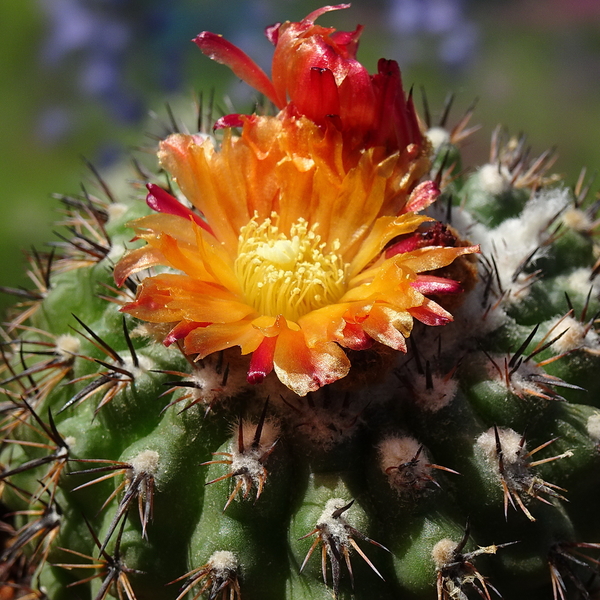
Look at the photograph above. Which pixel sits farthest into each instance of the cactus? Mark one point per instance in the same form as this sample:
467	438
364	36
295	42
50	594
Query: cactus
332	362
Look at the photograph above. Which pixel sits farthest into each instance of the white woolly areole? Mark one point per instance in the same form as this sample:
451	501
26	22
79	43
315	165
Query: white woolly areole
395	452
443	552
70	441
580	280
145	462
67	346
116	210
116	252
251	458
593	427
494	179
223	562
514	240
209	382
575	335
438	136
157	332
438	396
335	527
144	365
522	381
474	318
510	442
577	219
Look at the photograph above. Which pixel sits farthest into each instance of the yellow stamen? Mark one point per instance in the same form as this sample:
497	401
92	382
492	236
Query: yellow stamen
288	275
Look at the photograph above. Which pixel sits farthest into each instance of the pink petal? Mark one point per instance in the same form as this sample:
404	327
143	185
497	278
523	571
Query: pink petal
272	33
219	49
261	363
181	330
161	201
422	196
431	313
355	338
315	14
429	284
233	120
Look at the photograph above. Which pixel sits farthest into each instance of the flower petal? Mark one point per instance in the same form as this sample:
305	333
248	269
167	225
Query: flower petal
422	196
221	336
224	52
432	258
384	230
261	363
161	201
304	369
135	261
430	284
431	313
389	326
170	297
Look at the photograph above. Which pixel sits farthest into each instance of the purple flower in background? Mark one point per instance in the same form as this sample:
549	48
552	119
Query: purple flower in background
120	51
96	36
444	20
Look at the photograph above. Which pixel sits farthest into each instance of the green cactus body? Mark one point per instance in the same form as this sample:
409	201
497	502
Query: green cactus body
354	447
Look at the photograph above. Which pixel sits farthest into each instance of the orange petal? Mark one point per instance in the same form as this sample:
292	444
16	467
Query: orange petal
388	326
154	225
384	229
304	369
170	297
211	181
431	258
220	336
135	261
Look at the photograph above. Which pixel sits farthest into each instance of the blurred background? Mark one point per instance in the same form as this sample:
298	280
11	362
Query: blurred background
78	78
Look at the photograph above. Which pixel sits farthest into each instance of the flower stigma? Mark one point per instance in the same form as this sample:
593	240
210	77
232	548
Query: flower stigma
288	275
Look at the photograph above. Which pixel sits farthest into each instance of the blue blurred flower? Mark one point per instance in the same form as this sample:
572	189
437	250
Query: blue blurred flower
455	34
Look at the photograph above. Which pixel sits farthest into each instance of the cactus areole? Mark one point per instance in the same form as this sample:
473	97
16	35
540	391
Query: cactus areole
323	359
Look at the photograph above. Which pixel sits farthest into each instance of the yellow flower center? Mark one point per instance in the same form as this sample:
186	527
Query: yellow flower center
288	275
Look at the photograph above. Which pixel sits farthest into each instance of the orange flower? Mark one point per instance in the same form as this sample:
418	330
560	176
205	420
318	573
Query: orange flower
315	73
303	247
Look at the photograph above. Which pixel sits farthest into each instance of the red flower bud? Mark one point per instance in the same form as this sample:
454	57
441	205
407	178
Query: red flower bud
315	73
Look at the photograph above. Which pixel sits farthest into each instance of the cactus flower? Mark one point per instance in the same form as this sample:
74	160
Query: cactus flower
294	248
291	259
315	73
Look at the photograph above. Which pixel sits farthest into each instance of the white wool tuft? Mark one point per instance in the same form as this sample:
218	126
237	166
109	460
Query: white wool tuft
67	346
438	136
223	561
494	179
145	462
593	427
510	442
514	240
116	210
443	553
